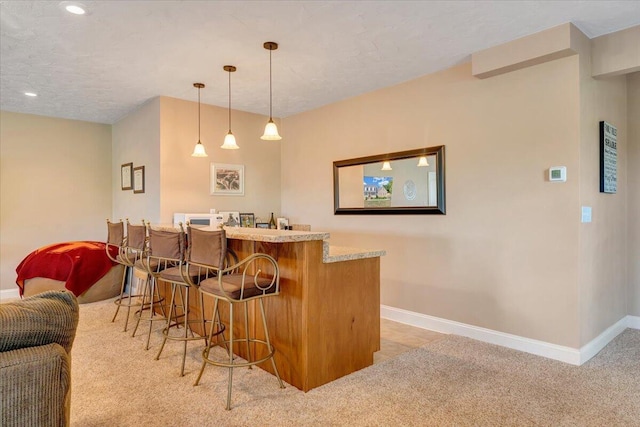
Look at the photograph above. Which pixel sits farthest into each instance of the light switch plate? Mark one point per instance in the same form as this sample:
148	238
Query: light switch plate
586	214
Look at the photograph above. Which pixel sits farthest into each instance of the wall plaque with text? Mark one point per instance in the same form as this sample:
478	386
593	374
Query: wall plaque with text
608	158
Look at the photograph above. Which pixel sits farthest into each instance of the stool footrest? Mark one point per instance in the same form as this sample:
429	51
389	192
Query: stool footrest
153	318
166	332
206	359
119	301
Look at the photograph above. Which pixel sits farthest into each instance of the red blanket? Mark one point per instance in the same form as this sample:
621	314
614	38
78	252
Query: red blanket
79	264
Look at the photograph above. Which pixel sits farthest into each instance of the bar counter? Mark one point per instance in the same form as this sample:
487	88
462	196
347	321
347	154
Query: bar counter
325	323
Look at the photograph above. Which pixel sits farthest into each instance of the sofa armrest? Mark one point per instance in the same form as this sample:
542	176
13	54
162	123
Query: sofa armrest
49	317
35	384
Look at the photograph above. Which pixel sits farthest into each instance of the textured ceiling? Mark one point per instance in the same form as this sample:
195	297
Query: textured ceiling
101	66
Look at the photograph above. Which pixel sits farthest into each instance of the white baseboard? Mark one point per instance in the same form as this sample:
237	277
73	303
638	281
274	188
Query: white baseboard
541	348
598	343
633	322
9	294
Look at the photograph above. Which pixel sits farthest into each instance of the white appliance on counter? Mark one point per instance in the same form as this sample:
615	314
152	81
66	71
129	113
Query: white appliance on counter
197	219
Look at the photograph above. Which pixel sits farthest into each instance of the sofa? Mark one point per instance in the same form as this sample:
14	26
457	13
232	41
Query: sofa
36	335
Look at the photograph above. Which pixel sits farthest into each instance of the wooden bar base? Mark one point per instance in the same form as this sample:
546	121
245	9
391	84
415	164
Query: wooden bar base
324	324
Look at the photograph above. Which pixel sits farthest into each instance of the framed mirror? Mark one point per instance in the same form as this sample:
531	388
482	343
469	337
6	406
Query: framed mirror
406	182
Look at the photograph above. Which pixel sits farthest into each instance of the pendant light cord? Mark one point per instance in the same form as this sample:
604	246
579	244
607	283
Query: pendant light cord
229	101
270	90
198	115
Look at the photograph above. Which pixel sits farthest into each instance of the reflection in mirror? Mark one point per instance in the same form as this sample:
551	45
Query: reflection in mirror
409	182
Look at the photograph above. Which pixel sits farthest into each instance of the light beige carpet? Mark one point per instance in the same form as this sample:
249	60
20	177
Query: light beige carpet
454	381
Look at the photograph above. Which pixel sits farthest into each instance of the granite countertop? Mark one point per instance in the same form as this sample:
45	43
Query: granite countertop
259	234
329	253
344	253
273	236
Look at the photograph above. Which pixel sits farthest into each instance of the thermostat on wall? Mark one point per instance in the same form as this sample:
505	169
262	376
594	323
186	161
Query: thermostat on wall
558	173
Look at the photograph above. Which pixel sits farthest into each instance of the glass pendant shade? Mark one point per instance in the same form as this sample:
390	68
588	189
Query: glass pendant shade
198	150
423	161
229	142
386	166
271	132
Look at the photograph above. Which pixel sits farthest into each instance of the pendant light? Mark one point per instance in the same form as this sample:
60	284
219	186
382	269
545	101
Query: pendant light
423	161
270	130
386	166
198	150
229	139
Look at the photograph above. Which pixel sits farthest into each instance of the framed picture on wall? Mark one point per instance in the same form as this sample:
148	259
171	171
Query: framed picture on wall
138	179
126	176
226	180
608	158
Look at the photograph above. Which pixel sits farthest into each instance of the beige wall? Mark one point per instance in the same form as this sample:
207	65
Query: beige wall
136	139
185	179
548	45
161	136
55	185
603	242
633	178
510	255
506	255
616	53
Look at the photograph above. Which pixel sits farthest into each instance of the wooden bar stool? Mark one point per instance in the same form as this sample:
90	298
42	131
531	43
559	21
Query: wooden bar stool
252	279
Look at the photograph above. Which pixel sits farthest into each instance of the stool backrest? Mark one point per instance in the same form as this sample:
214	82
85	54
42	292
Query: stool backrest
207	247
167	244
136	236
115	233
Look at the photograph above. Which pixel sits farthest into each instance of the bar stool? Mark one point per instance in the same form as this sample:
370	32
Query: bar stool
130	253
165	250
202	247
114	246
240	283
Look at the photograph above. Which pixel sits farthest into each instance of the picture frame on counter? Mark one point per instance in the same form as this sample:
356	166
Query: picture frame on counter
138	179
262	225
247	220
282	223
226	179
126	176
230	218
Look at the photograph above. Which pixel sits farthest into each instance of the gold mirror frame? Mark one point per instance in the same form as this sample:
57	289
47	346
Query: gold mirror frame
386	205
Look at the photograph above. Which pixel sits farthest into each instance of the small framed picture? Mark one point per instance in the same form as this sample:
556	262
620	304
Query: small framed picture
226	180
282	223
230	219
138	179
247	220
126	176
262	225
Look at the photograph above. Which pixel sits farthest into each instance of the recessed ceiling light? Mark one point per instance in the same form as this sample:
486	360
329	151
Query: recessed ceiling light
73	7
31	94
76	10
